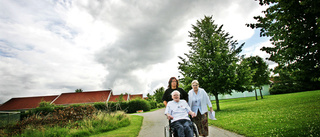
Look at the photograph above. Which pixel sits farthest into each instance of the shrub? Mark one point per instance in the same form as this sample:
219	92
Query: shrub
153	104
97	123
111	106
44	108
138	104
284	88
160	105
100	105
61	116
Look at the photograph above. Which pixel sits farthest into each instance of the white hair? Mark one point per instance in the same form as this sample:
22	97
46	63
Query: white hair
176	91
195	81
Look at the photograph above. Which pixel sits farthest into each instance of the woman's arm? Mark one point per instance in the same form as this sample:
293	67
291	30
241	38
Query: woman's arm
165	103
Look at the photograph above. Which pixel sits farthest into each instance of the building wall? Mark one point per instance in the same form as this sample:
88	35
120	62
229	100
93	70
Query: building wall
265	91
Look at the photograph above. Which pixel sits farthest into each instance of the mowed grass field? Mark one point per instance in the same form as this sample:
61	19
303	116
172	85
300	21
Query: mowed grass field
289	115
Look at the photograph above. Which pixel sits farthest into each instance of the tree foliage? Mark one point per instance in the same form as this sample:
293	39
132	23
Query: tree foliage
78	90
212	59
157	95
261	72
294	30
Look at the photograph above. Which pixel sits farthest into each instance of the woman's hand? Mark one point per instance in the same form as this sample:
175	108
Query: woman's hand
192	114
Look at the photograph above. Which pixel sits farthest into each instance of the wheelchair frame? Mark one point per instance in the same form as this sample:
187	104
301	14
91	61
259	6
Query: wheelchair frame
169	132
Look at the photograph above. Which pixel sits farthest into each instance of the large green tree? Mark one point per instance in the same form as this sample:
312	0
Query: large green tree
294	29
261	73
212	59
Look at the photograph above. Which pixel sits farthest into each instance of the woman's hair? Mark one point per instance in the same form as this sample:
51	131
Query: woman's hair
170	80
195	81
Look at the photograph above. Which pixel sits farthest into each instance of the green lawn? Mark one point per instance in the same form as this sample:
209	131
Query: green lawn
130	131
296	114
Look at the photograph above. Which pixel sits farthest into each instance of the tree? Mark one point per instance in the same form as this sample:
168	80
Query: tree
78	90
150	97
212	59
157	95
245	74
294	28
261	75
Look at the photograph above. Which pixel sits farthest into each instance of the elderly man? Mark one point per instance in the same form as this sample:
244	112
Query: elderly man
177	111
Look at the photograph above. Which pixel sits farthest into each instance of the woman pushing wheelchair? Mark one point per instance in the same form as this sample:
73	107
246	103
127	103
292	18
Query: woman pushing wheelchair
177	111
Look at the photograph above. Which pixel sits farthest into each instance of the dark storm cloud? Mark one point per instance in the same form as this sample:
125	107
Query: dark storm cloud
74	44
147	33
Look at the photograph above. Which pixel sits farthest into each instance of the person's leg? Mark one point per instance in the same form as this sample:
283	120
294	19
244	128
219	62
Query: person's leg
178	127
188	129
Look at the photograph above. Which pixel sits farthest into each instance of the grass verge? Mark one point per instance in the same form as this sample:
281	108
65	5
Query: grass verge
99	123
130	131
295	114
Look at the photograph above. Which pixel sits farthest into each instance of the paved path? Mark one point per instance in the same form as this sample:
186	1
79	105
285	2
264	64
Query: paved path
154	122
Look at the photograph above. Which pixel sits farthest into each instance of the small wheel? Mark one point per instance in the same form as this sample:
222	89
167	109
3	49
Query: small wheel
195	130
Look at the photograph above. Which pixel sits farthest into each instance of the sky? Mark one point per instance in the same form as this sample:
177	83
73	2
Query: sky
49	47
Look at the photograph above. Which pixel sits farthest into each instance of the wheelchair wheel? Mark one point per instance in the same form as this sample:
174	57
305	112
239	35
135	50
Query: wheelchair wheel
167	132
195	130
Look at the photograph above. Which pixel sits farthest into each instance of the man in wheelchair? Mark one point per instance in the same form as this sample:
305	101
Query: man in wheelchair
177	111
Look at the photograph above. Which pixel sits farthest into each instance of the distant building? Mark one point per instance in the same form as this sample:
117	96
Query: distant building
25	103
265	91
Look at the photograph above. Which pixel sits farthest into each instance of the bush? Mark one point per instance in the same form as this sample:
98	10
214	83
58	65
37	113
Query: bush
138	104
153	104
111	106
61	116
97	123
284	88
160	105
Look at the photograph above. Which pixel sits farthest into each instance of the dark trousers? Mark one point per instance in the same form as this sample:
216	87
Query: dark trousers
183	128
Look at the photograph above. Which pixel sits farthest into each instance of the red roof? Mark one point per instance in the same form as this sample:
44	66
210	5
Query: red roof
65	99
25	102
82	97
114	98
136	96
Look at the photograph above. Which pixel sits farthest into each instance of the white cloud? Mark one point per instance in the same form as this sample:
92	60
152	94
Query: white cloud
255	50
129	46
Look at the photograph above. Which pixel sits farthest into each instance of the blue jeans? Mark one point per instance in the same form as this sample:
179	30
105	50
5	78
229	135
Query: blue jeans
183	127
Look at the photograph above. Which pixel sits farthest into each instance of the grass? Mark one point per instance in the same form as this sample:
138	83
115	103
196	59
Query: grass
99	123
130	131
295	114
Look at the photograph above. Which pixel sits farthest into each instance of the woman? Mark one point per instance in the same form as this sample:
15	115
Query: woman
198	101
173	85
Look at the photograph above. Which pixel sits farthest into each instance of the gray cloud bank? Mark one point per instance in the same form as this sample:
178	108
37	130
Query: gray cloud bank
145	35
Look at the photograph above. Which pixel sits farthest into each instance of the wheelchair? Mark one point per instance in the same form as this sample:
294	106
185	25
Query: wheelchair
171	132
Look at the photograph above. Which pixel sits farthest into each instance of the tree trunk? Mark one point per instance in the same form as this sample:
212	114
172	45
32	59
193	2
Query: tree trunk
261	93
217	102
255	91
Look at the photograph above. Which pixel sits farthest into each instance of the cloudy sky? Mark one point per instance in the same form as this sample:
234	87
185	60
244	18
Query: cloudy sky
48	47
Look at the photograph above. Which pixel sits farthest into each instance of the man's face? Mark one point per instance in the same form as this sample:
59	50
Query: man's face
176	97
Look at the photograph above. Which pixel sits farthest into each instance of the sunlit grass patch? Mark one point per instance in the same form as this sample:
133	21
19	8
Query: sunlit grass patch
129	131
295	114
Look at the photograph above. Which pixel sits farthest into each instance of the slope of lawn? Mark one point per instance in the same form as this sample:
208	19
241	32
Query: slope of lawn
295	114
130	131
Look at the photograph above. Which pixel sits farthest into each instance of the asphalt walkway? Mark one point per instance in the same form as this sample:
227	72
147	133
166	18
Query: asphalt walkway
154	123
